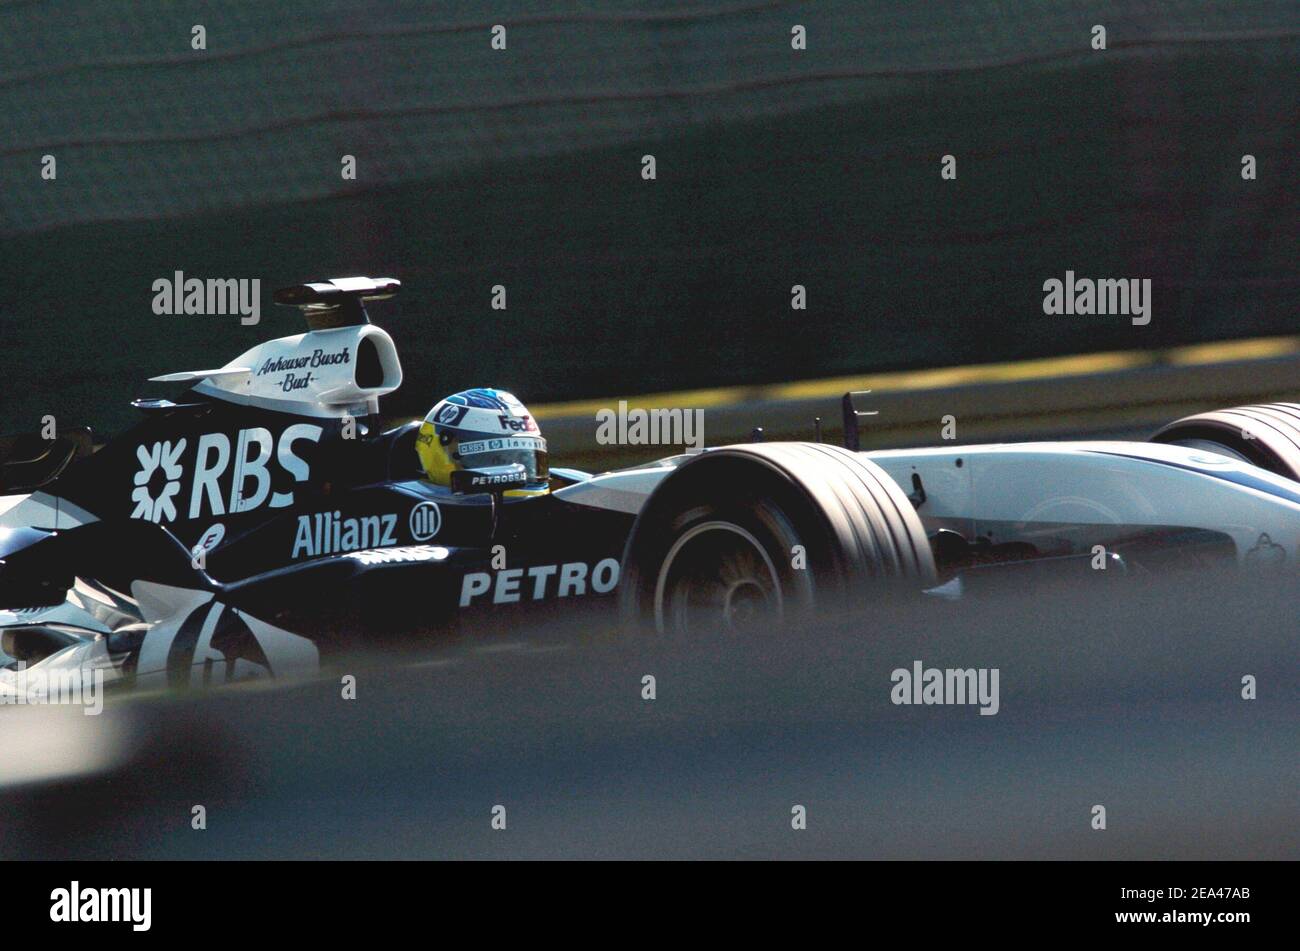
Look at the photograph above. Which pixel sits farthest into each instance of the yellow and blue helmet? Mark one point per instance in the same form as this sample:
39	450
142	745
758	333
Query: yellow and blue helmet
478	428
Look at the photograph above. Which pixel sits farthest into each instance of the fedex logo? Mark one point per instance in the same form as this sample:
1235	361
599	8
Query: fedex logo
517	424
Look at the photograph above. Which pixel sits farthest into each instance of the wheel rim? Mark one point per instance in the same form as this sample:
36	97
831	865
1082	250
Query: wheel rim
717	576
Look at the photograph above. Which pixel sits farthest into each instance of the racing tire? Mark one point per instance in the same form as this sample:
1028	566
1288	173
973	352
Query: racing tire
743	538
1266	435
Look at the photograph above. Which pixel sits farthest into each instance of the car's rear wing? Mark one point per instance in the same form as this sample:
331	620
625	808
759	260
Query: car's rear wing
29	460
339	302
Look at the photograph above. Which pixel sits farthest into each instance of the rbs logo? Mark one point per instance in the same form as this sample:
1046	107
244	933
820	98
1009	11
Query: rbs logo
162	469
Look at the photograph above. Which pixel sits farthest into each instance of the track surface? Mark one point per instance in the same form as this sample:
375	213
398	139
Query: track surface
1123	697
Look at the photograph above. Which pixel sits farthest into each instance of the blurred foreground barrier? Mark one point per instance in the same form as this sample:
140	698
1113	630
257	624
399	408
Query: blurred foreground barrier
1125	696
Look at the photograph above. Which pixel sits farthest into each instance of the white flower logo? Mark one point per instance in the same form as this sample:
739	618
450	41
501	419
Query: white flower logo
167	457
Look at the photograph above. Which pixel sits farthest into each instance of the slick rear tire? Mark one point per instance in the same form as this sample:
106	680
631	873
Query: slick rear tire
1267	435
746	537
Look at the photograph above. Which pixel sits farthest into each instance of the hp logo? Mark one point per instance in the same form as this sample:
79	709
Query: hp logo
450	415
425	521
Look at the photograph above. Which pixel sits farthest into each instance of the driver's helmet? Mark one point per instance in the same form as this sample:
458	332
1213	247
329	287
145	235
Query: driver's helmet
477	428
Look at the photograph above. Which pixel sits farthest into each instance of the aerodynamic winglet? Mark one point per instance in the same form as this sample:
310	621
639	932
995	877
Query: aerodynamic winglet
192	376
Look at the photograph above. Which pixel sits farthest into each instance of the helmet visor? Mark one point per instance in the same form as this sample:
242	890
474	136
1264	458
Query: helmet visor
527	452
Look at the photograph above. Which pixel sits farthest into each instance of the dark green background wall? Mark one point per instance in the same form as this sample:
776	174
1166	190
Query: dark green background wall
523	168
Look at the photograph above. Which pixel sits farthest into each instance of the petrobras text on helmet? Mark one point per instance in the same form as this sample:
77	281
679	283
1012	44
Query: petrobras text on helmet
74	904
571	579
500	478
650	427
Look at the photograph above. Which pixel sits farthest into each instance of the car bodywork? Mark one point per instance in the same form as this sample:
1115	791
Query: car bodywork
263	521
1148	504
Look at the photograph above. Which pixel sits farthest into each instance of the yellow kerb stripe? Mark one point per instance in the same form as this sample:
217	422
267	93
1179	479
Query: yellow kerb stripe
1219	352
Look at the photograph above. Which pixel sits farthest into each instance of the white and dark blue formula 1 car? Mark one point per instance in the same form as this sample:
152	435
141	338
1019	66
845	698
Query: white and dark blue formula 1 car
263	521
